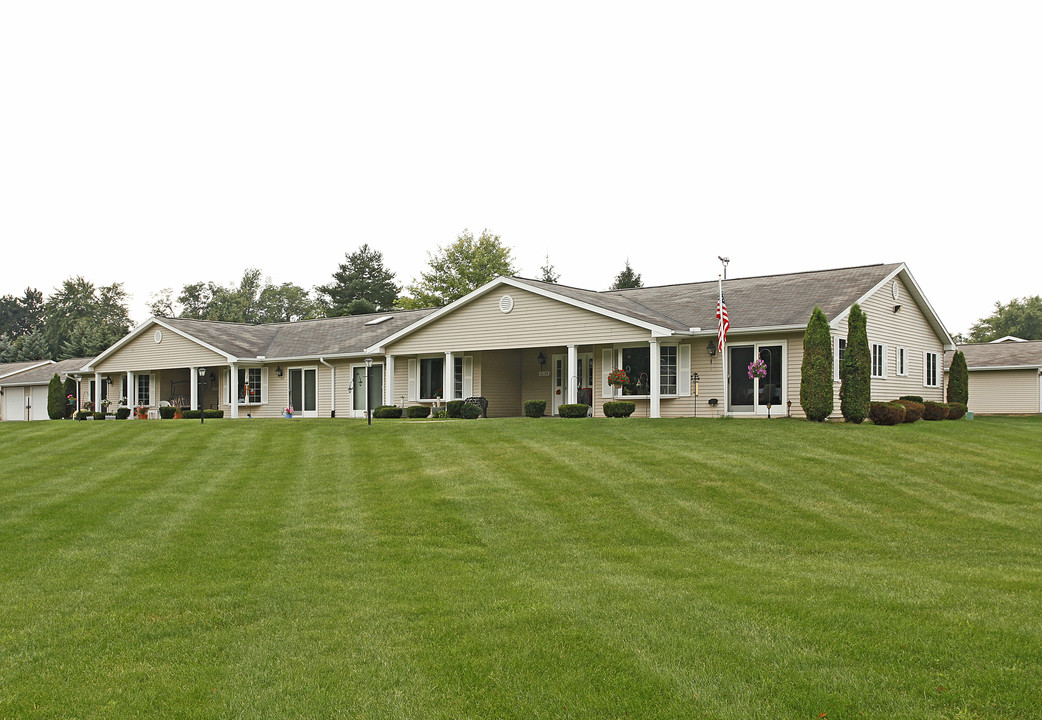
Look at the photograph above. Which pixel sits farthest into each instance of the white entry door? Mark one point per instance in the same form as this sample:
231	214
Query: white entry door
303	391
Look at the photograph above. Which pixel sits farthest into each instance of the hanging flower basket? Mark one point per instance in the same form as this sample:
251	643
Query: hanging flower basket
757	369
618	378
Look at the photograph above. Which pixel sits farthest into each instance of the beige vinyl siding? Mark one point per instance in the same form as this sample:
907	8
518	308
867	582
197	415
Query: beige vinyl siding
500	384
143	353
1004	391
535	321
908	329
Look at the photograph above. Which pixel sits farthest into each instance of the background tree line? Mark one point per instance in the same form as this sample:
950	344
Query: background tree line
81	319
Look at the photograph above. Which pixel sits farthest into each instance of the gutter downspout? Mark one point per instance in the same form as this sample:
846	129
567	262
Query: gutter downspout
332	387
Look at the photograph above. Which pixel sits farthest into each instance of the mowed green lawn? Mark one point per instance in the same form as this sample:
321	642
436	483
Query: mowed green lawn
521	569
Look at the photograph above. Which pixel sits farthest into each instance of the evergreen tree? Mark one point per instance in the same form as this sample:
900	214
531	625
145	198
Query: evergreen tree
816	395
627	279
362	276
7	349
548	273
855	372
32	347
79	302
958	380
57	403
456	270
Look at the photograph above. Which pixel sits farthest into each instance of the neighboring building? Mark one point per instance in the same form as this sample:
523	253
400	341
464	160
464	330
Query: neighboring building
1005	376
515	340
23	392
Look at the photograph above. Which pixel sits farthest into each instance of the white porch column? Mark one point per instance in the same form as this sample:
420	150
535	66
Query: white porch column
449	383
656	382
97	392
572	393
131	390
388	379
193	383
233	392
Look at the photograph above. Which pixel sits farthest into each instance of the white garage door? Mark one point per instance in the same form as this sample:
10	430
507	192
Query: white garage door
14	403
38	409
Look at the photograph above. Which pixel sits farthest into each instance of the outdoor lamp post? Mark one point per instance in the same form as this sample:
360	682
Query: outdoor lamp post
368	412
199	392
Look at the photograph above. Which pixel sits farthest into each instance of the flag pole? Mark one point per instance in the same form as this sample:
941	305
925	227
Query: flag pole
719	313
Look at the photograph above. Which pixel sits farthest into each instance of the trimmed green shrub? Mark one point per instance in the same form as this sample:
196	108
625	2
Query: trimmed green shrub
82	414
886	413
167	413
454	408
816	395
57	403
211	414
935	411
958	380
387	411
191	414
535	408
855	372
913	398
98	415
913	410
439	414
122	413
956	410
470	412
619	408
417	411
573	410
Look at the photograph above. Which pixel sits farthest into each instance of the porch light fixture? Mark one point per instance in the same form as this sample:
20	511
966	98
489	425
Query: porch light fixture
368	413
541	359
202	378
278	371
711	349
897	308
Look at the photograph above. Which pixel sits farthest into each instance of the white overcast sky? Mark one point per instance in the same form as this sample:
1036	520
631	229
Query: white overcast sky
157	144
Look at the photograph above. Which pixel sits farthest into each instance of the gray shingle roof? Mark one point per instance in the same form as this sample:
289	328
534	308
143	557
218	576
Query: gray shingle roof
767	301
7	369
304	338
44	373
1004	354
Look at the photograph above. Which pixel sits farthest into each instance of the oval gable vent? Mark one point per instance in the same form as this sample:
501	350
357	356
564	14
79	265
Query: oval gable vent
506	304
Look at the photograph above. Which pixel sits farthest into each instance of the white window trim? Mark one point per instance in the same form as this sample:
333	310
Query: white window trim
936	369
618	363
835	356
263	386
902	367
872	360
468	377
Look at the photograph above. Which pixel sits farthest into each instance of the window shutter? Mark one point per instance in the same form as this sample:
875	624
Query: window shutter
227	386
924	368
413	379
607	365
684	370
468	376
153	394
264	386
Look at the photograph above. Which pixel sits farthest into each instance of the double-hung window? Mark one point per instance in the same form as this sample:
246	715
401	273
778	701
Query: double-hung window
249	386
143	395
878	360
930	369
457	378
841	350
668	369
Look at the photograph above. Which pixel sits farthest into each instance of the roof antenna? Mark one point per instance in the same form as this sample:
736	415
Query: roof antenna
724	261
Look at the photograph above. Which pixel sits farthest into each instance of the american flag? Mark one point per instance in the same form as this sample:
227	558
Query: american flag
723	323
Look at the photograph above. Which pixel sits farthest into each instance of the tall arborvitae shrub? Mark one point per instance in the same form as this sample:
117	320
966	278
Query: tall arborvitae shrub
57	404
855	372
816	372
958	380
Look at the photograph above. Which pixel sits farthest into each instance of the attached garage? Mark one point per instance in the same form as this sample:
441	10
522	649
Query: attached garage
23	395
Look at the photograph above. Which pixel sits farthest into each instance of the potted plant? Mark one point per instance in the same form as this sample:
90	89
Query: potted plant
141	412
288	412
88	407
105	405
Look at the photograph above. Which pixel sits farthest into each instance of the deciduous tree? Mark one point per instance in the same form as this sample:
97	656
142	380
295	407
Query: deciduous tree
459	268
1020	317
